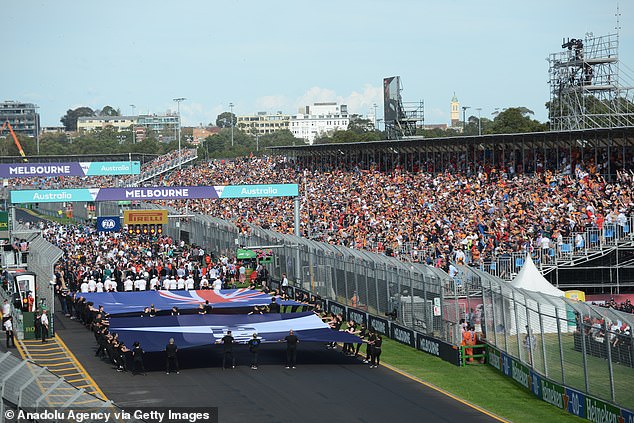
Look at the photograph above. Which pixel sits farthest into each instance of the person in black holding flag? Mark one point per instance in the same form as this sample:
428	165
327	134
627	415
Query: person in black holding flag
274	307
254	345
291	349
376	351
137	358
171	358
228	341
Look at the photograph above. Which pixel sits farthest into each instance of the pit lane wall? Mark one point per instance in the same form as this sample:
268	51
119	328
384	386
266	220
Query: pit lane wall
563	397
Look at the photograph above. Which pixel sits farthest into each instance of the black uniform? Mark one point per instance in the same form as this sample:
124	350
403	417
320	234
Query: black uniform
171	358
291	351
137	357
254	345
376	352
227	340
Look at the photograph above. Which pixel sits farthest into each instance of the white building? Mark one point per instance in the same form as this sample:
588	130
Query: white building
318	119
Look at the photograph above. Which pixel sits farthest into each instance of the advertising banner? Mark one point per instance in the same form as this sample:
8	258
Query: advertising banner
575	402
438	348
361	317
153	193
27	170
599	411
145	217
379	325
336	308
4	225
108	223
28	320
403	335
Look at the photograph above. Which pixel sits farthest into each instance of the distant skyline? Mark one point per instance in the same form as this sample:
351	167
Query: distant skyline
279	56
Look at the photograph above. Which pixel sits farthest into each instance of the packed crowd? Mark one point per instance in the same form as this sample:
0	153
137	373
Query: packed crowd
470	218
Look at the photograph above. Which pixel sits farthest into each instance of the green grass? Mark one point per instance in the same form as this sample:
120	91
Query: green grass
479	384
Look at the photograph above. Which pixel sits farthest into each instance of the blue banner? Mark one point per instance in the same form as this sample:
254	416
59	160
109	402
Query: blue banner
53	195
108	223
193	330
28	170
153	193
257	191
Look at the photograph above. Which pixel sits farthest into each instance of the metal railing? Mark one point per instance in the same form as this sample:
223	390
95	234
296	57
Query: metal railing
27	386
581	346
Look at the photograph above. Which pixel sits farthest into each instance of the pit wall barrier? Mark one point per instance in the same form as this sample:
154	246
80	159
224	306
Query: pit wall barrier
571	400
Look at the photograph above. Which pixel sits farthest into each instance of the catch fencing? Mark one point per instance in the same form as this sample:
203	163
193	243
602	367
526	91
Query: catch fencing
587	348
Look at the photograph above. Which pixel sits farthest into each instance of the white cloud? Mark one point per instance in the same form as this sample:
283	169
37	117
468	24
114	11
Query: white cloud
271	103
358	102
363	102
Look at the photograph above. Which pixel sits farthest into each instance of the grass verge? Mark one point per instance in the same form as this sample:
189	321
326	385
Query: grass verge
478	384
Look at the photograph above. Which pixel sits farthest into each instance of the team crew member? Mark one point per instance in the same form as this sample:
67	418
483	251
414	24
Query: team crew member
291	349
171	357
228	341
254	345
376	351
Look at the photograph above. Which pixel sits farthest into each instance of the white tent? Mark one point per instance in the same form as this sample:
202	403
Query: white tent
539	296
530	279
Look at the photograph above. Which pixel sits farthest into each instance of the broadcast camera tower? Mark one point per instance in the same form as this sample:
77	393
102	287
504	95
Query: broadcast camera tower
586	89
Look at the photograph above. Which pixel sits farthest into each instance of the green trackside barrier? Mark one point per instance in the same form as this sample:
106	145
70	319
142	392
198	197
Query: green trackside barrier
480	357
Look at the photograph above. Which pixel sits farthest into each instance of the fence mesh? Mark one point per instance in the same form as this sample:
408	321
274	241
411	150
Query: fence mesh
586	347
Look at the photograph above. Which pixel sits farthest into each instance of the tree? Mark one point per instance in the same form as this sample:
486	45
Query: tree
224	120
278	138
358	125
109	111
515	120
69	120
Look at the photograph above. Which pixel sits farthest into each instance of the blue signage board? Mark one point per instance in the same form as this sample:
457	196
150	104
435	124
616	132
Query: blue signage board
108	223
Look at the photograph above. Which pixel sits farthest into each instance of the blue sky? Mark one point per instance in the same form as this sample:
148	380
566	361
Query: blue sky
279	55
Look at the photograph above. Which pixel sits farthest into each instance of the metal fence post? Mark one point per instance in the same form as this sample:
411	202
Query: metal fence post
541	328
517	329
561	347
609	350
584	355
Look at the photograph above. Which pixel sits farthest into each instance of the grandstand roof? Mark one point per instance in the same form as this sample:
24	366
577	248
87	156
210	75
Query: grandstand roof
613	137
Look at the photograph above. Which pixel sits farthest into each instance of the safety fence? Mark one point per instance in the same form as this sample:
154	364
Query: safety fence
27	387
554	344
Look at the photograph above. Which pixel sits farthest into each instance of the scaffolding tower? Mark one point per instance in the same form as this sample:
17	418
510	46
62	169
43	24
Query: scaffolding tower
401	119
586	89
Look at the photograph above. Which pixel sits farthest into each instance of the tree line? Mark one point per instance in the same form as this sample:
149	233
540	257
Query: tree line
244	141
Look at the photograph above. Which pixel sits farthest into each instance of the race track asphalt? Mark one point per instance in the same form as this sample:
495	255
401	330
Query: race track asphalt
325	387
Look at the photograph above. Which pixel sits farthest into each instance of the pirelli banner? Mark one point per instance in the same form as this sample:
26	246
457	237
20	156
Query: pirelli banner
145	217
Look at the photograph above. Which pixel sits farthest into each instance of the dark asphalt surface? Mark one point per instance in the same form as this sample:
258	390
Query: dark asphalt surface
325	387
